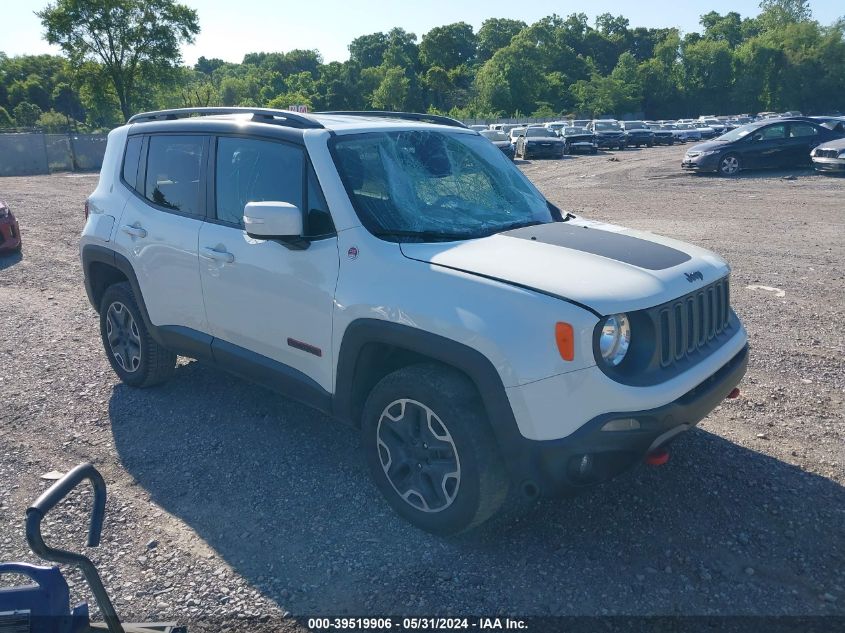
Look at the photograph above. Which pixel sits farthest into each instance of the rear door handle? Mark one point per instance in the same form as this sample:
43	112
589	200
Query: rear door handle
220	256
134	231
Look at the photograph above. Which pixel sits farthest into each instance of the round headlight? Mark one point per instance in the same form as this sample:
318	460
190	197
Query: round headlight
614	339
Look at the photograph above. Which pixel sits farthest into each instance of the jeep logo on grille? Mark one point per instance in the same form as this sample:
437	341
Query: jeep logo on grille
691	277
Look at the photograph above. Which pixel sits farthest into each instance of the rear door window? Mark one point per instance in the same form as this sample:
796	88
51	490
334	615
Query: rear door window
174	167
802	130
253	170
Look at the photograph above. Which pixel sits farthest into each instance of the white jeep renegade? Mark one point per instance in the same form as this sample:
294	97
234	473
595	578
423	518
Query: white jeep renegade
397	272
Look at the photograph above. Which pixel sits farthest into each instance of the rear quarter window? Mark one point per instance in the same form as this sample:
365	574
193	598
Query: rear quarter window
131	160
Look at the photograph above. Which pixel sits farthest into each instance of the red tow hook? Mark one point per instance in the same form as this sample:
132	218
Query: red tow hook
733	394
657	458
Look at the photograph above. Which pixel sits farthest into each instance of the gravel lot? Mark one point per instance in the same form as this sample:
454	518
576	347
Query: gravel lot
228	502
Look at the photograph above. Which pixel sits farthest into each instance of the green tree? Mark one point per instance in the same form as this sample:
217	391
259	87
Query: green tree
5	119
778	13
448	46
496	33
134	41
393	91
26	114
367	51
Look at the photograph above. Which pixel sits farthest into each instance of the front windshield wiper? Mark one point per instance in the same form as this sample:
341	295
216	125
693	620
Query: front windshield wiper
426	236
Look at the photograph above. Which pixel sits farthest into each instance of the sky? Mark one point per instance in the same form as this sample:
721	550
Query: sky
231	29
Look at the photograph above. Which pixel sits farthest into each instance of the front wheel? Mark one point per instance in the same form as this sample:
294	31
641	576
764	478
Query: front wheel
431	451
135	356
729	165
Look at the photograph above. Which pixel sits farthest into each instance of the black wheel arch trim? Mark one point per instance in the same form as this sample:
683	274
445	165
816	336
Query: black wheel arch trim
181	340
475	365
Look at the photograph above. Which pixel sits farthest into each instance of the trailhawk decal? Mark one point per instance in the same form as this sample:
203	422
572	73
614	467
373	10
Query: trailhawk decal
622	248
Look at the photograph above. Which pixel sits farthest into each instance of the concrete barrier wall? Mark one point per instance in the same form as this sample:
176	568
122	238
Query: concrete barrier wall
23	155
33	153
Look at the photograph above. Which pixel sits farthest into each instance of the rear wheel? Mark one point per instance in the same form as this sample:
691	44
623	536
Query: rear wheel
729	165
430	449
135	356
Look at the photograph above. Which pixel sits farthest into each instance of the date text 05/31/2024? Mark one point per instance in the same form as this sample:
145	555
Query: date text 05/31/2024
417	624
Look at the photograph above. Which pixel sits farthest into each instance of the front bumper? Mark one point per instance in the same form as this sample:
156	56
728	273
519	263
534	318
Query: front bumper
582	146
710	162
610	141
829	164
539	151
589	455
10	235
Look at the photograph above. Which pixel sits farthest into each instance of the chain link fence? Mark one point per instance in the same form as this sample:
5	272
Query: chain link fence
34	153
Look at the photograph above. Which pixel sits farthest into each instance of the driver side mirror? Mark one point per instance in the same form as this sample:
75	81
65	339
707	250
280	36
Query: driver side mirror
275	221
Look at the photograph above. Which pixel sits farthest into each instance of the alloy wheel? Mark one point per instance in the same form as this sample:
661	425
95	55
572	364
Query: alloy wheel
729	165
123	337
418	455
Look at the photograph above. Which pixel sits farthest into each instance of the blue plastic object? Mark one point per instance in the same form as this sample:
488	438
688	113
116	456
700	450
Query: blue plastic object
42	607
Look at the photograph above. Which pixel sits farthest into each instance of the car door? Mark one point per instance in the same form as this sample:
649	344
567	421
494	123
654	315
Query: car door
266	299
765	147
801	140
160	227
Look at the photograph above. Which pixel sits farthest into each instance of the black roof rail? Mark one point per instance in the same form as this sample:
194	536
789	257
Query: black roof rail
407	116
261	115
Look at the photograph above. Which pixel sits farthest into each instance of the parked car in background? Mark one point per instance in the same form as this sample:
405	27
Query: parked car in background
768	143
578	139
688	132
581	123
479	127
705	130
557	126
715	123
515	132
829	157
637	134
500	140
10	233
608	133
504	127
539	142
664	133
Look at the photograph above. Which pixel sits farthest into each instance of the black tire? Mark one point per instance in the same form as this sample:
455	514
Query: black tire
449	396
650	143
671	141
154	364
594	151
567	148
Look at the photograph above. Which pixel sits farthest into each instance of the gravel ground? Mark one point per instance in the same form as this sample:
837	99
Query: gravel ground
229	503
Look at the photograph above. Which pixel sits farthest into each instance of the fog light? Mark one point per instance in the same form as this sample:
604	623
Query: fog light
622	424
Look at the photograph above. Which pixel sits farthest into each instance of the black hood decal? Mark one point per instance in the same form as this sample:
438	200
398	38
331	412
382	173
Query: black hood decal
622	248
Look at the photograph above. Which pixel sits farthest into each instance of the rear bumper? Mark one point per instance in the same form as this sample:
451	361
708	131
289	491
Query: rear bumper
589	455
10	235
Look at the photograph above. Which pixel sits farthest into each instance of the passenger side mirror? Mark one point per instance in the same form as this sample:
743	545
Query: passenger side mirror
275	221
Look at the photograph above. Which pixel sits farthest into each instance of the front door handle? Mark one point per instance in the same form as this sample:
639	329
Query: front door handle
220	256
134	231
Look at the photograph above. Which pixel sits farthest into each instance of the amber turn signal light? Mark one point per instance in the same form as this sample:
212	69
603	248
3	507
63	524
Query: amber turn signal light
565	338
